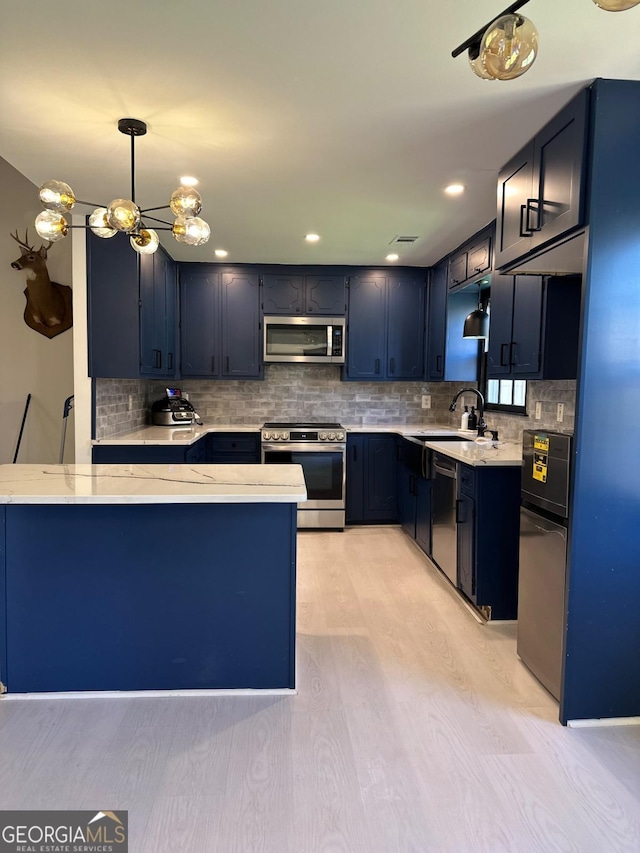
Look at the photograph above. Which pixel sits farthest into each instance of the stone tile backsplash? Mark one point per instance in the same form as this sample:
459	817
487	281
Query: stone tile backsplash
314	393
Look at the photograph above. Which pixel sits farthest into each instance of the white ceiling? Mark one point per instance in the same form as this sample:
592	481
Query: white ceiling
341	117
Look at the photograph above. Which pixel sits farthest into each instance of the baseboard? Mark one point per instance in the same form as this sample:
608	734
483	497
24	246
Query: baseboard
603	721
147	694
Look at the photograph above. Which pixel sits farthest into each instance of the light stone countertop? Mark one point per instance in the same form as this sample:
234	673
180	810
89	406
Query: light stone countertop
172	435
480	454
151	484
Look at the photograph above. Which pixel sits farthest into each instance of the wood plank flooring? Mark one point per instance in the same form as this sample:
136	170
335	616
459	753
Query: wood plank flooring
416	730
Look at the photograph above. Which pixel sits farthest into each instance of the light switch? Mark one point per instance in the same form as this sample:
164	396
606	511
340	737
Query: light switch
538	413
560	415
426	401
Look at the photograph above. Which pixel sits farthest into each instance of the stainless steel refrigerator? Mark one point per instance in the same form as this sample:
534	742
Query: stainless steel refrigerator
544	518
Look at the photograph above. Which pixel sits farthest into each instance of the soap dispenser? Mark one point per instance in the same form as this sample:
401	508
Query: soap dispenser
473	419
465	419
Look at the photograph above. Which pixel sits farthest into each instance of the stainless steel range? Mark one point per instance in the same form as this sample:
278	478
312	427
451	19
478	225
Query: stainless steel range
321	450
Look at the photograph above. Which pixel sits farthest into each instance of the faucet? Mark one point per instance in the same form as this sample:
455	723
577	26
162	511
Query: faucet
482	426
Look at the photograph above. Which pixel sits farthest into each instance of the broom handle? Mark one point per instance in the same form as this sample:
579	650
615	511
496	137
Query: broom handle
24	418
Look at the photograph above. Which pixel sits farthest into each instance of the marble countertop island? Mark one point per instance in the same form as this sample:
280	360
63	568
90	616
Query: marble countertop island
151	484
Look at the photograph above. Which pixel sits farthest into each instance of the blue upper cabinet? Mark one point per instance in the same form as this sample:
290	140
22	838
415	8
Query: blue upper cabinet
534	327
386	327
292	294
219	323
541	191
437	322
472	260
406	327
240	326
158	293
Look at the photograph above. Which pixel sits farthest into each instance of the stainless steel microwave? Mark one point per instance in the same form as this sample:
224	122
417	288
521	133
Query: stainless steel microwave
316	340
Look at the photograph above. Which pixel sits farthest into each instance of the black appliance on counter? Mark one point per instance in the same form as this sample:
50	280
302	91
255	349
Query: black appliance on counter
173	410
544	520
321	450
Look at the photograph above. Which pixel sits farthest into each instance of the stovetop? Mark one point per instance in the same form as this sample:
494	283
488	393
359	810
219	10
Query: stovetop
301	425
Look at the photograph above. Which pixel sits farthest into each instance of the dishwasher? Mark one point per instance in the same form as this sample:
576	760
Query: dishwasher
444	476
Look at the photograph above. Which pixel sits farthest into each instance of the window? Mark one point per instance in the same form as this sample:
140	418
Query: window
507	395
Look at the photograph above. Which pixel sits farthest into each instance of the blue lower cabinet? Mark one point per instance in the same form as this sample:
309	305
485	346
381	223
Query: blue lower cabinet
407	499
142	454
237	448
371	479
423	514
465	531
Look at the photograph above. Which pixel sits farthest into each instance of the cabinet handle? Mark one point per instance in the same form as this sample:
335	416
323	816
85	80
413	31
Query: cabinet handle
392	365
377	370
423	461
512	350
412	485
298	310
227	365
439	364
170	361
458	519
213	364
523	230
528	225
503	355
309	309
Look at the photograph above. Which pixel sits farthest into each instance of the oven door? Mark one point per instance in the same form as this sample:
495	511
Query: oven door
323	467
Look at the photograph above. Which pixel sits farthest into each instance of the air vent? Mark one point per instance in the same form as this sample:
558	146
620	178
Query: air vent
403	238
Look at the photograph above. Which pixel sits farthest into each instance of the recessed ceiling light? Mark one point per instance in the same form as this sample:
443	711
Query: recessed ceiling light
454	189
392	257
188	181
221	253
312	238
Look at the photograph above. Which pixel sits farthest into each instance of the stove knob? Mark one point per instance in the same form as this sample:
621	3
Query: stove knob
323	436
339	436
284	436
266	436
332	436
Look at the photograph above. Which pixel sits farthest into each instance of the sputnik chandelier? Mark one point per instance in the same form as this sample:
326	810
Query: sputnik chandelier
507	47
124	214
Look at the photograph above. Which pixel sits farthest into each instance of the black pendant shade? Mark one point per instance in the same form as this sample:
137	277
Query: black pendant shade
476	324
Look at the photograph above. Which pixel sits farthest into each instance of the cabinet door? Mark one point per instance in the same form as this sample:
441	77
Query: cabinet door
458	269
479	257
513	232
366	343
199	314
113	311
171	301
325	294
380	478
559	173
465	534
355	479
150	344
437	323
527	325
283	294
501	326
423	514
406	499
240	325
406	326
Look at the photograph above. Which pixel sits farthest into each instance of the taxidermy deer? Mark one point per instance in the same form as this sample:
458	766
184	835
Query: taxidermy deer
48	309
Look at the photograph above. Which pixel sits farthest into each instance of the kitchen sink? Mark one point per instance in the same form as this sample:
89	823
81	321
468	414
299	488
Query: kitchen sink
426	438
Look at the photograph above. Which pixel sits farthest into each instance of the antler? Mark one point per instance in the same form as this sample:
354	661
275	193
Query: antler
23	243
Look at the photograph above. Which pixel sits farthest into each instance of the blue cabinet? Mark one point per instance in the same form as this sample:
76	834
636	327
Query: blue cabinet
371	479
472	260
541	191
386	327
437	323
285	293
465	537
158	295
220	323
234	448
534	327
423	514
148	454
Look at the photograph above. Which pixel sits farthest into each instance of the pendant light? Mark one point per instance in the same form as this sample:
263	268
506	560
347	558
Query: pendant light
476	324
123	214
508	48
616	5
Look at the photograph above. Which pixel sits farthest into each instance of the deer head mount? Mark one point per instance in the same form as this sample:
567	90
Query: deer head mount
48	309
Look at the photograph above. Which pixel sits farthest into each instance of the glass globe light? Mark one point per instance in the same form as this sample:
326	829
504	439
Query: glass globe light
186	201
146	242
192	231
99	224
477	66
51	225
123	215
616	5
56	195
509	47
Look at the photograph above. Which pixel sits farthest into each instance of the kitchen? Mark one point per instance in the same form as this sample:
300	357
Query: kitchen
404	403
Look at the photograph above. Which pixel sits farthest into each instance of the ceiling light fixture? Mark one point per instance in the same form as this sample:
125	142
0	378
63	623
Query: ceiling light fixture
476	324
454	189
124	214
393	257
221	253
504	48
616	5
188	181
312	238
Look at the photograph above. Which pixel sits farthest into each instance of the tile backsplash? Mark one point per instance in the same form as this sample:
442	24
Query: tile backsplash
315	392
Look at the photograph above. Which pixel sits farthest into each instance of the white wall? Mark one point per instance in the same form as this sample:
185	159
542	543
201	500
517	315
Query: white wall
30	362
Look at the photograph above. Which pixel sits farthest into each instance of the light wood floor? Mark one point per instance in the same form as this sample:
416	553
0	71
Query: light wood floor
415	729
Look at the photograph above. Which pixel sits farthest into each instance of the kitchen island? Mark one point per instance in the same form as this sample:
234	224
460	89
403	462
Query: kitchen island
148	577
